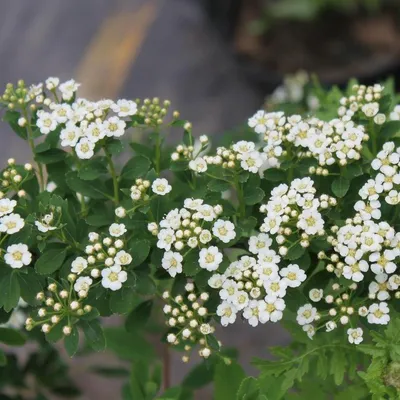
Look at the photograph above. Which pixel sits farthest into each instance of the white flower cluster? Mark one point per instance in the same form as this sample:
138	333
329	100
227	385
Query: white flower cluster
295	208
82	122
254	286
338	141
365	99
105	258
193	226
387	180
189	321
192	153
159	187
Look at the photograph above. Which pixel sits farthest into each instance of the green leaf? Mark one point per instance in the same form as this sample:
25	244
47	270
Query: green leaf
218	186
227	379
122	301
340	186
295	252
94	189
94	334
50	261
173	393
249	389
253	195
30	285
139	250
138	318
274	175
114	146
136	167
247	225
9	291
200	375
12	118
128	345
12	337
93	169
71	342
50	156
351	171
191	265
3	358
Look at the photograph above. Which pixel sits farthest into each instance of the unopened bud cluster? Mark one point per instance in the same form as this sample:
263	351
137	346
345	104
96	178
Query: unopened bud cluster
189	321
59	305
153	111
13	177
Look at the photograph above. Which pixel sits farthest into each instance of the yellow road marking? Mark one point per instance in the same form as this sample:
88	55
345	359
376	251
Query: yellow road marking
109	57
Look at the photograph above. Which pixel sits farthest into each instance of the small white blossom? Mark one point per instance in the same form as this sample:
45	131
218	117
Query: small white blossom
355	336
11	223
117	230
224	230
210	258
79	265
161	187
113	277
18	255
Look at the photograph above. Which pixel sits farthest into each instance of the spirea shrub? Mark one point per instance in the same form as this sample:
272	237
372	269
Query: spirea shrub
293	219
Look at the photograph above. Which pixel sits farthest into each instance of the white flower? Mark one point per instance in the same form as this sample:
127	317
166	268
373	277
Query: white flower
161	187
378	313
199	164
229	290
122	258
192	204
124	108
243	147
7	206
210	258
251	161
355	271
241	299
253	310
224	230
79	265
206	212
316	294
330	326
227	312
310	221
216	281
293	275
84	149
355	336
113	277
267	271
114	127
368	211
380	287
276	287
394	282
172	220
205	236
273	309
383	262
95	132
306	314
166	237
44	225
11	223
18	255
52	83
310	330
82	284
68	89
260	243
370	109
117	230
46	122
70	135
172	262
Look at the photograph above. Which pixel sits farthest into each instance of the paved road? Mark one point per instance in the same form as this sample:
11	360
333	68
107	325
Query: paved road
131	48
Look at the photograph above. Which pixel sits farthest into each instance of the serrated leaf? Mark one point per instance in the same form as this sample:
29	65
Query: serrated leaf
71	342
9	291
253	195
249	389
227	379
294	252
136	167
94	334
12	337
340	186
50	261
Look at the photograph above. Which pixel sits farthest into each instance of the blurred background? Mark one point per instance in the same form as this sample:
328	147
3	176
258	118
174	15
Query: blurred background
216	60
